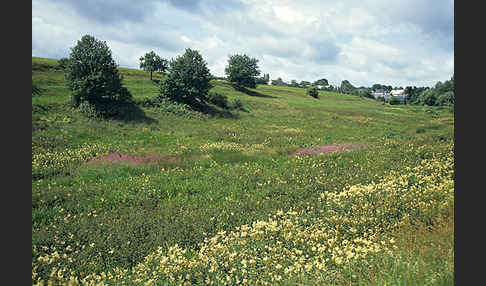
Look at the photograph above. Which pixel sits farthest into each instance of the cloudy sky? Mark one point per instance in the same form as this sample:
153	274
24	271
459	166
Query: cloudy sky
398	43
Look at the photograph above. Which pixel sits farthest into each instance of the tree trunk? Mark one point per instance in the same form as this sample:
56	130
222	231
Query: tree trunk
150	75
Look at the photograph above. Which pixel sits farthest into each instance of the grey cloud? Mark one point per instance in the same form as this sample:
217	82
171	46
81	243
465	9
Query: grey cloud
111	11
206	6
325	51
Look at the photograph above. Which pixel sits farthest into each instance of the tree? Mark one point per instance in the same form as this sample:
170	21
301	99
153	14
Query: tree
305	84
62	63
92	75
346	87
278	81
188	80
321	81
242	70
294	83
263	80
153	63
313	92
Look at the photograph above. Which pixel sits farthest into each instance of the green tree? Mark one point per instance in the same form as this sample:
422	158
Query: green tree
92	74
313	92
294	83
62	63
305	84
346	87
278	81
153	63
188	80
321	81
263	80
242	70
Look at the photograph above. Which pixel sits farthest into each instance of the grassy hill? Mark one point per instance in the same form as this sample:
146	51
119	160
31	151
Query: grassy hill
191	180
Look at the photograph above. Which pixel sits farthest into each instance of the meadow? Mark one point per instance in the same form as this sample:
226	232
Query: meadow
185	198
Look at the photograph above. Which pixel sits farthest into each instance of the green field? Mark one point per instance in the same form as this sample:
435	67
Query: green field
224	203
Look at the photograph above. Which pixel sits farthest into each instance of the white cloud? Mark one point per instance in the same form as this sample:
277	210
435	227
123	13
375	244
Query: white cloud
364	41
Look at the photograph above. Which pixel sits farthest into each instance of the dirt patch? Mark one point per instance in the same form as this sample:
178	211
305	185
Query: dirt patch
134	160
325	149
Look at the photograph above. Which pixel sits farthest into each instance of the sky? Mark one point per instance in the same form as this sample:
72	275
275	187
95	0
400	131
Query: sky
398	43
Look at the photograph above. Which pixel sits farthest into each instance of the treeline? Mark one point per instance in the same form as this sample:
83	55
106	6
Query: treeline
440	94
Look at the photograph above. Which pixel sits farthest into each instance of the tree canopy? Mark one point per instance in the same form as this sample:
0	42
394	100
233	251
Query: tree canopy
321	81
153	63
346	87
242	70
188	80
92	74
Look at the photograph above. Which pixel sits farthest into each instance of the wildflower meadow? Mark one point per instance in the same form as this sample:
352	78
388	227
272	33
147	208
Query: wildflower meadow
292	190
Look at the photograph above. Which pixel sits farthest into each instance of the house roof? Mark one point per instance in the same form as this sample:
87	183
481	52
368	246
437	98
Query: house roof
397	92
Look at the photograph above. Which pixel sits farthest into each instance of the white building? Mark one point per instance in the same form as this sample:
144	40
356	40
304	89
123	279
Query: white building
398	93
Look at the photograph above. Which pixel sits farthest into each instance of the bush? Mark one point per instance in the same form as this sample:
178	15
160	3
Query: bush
394	101
446	98
218	99
92	76
237	104
63	63
36	90
313	92
188	80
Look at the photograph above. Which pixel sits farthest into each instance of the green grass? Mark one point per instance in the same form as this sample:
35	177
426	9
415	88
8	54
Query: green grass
229	171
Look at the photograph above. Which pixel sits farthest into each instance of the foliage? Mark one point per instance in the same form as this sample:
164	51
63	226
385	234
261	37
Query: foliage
36	90
446	98
378	86
237	104
294	83
92	75
346	87
153	63
440	94
218	99
279	81
321	81
242	70
63	63
337	233
305	84
106	220
188	80
394	101
313	92
366	93
263	80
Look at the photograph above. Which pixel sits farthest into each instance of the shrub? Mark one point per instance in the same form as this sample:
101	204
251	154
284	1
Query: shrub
87	109
218	99
394	101
446	98
237	104
36	90
188	80
313	92
92	76
63	63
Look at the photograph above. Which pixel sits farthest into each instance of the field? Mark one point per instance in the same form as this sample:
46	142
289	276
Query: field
164	198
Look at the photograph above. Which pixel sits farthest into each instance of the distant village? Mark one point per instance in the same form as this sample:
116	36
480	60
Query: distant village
441	94
346	87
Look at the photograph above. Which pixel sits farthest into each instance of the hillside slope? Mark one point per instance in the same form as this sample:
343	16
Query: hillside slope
115	191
